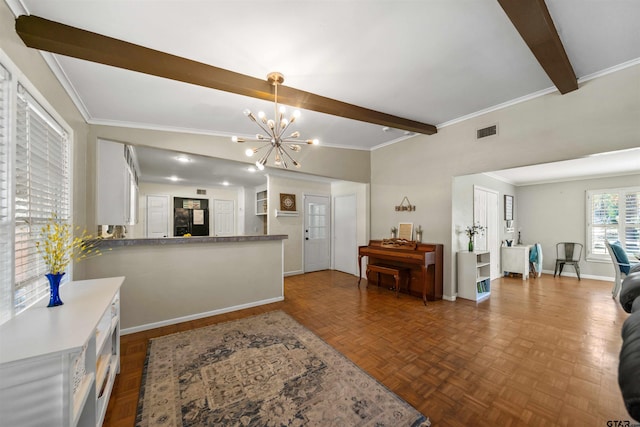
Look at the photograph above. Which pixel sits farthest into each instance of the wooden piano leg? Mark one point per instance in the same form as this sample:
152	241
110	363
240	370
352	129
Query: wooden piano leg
424	288
360	270
397	277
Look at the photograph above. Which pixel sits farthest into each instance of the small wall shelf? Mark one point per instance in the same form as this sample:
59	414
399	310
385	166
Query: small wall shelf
261	202
286	213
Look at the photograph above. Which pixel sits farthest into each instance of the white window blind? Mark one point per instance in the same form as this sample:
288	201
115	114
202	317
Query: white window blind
6	248
42	187
632	221
613	214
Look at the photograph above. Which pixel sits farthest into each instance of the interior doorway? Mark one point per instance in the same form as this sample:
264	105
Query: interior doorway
157	216
317	230
345	244
223	217
485	213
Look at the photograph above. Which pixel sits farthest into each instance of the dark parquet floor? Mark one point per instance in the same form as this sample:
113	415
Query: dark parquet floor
540	352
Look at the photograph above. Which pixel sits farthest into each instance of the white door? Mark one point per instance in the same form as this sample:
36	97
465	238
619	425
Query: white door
345	246
317	229
224	217
157	216
485	212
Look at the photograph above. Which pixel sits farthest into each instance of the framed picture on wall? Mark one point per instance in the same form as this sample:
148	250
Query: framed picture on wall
287	202
405	230
508	207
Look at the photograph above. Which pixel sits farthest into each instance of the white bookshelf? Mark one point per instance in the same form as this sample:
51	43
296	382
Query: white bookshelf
58	365
474	275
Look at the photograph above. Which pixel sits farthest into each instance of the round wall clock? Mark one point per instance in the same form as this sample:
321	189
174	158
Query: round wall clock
287	202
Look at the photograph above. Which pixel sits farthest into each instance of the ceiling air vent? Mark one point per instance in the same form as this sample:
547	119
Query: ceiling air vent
488	131
201	191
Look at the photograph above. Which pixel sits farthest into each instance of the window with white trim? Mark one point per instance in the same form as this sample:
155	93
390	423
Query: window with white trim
35	182
613	214
6	234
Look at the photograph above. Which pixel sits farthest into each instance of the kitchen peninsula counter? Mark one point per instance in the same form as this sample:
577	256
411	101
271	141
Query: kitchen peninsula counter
161	241
177	279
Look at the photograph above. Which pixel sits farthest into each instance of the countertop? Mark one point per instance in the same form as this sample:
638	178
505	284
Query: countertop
41	330
161	241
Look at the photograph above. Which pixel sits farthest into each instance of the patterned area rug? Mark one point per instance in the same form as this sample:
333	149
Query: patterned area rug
266	370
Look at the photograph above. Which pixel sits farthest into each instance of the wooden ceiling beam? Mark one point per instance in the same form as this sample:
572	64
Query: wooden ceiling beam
533	21
51	36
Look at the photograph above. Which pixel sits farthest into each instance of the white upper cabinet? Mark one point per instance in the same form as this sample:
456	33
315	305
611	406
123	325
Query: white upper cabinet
116	184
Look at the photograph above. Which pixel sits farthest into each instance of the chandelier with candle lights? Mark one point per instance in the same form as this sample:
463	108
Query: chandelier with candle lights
274	133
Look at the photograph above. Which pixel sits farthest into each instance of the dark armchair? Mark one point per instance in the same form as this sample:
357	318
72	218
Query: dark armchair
629	367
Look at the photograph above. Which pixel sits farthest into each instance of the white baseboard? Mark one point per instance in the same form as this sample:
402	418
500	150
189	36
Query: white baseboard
292	273
449	297
197	316
586	276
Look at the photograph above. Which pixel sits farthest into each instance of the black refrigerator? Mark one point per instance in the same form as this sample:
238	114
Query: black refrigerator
190	216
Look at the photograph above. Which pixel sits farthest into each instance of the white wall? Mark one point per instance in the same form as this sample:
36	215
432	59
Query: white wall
462	206
363	212
33	66
556	212
343	164
292	226
172	190
166	284
253	224
462	210
602	115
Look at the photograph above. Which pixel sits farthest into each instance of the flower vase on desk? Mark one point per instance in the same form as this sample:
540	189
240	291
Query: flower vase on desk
54	288
470	245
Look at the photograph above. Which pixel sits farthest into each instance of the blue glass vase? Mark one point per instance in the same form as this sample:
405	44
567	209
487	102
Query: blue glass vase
54	287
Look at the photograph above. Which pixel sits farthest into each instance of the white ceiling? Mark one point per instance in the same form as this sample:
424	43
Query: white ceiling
433	61
164	167
614	163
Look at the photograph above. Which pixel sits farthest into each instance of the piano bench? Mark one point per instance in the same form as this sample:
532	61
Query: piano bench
391	270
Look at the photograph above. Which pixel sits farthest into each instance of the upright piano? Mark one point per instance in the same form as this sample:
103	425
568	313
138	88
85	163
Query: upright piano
424	261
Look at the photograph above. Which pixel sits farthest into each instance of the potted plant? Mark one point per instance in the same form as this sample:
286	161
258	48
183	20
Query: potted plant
471	231
58	247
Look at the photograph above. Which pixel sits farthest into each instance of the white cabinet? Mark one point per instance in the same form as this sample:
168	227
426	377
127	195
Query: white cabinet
474	275
58	365
116	184
261	202
515	259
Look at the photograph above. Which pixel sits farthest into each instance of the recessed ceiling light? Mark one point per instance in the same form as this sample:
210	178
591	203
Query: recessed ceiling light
225	183
183	159
174	178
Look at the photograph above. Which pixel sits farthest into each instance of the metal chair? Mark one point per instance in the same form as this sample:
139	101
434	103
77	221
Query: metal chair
568	253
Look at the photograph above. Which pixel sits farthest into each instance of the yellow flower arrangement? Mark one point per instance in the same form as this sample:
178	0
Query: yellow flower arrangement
59	247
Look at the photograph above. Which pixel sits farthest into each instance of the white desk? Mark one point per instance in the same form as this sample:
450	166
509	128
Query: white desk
515	259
